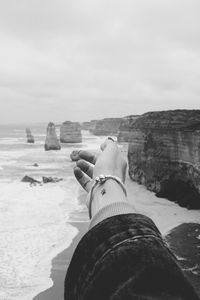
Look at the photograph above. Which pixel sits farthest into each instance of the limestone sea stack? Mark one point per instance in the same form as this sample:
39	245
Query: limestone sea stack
107	126
51	142
164	154
124	133
29	136
70	132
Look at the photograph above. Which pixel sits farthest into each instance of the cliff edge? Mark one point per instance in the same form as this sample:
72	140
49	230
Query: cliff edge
107	126
124	133
164	154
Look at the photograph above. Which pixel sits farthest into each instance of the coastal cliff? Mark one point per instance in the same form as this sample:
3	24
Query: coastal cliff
164	154
107	126
124	133
29	136
92	125
70	132
85	125
51	142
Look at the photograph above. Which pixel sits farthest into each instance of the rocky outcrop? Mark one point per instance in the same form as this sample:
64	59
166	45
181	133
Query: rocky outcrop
70	132
51	142
30	180
29	136
107	126
45	179
184	241
164	154
124	133
51	179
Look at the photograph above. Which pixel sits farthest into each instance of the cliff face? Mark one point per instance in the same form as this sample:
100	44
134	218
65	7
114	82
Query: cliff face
92	125
164	154
70	132
29	136
107	126
85	125
124	133
51	142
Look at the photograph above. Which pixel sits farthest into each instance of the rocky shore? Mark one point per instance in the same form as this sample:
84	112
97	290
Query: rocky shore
184	241
164	154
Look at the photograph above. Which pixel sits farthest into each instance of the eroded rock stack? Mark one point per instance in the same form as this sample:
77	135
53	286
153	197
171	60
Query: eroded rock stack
51	142
29	136
107	126
164	154
70	132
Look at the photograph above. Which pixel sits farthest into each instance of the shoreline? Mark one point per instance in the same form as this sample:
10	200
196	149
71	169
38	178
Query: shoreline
60	264
61	261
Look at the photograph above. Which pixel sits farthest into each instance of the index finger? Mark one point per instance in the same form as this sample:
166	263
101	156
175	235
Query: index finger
88	156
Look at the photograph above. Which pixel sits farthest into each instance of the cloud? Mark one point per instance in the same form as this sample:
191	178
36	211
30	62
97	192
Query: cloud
85	59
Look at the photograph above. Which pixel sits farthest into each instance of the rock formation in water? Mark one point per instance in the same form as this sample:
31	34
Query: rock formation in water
51	179
124	133
30	180
107	126
51	142
164	154
29	136
70	132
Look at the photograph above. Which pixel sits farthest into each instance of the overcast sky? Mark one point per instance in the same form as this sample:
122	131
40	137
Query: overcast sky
87	59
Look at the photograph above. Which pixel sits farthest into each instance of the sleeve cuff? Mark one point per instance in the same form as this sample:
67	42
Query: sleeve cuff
113	209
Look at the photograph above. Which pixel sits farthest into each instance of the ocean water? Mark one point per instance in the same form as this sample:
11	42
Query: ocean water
34	221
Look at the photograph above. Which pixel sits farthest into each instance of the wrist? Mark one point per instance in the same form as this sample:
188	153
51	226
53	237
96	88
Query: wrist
106	190
109	187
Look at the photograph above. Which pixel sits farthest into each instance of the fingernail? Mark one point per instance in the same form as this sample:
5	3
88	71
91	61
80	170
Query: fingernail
109	138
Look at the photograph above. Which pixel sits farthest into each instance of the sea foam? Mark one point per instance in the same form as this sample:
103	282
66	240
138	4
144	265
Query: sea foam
32	231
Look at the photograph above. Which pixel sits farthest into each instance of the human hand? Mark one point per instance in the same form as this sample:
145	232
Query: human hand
109	162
